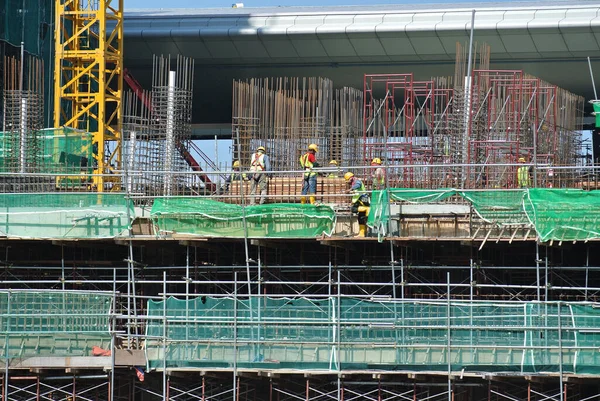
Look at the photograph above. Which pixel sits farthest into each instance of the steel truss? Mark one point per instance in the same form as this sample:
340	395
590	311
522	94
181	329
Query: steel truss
88	70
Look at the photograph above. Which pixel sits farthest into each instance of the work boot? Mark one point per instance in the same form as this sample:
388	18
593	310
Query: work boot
303	200
362	230
312	200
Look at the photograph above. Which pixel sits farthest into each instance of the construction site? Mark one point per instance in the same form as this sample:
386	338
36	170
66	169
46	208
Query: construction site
135	267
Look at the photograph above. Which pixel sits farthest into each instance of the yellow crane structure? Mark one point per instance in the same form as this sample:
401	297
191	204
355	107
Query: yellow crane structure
88	72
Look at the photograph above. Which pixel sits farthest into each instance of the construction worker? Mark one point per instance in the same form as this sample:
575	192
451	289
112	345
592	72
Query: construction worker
377	175
333	164
259	165
235	176
360	202
523	177
308	161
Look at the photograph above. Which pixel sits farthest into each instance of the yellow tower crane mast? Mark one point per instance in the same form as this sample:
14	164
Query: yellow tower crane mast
88	72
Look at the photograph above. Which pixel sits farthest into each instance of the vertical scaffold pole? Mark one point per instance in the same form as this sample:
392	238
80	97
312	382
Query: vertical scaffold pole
448	322
560	355
6	347
112	336
164	335
235	322
187	292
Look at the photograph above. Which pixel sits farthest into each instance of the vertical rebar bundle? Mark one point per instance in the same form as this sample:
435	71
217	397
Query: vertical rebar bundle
287	114
157	130
22	114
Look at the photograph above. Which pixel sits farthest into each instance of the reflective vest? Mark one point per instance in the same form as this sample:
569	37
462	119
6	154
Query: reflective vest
258	162
358	192
307	165
523	177
378	182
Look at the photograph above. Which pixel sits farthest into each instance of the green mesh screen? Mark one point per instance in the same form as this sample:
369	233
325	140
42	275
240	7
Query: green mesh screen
30	26
500	207
47	323
207	217
379	213
55	151
568	214
308	334
64	215
556	214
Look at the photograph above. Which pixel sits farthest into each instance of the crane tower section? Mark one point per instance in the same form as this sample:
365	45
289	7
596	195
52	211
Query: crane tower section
88	83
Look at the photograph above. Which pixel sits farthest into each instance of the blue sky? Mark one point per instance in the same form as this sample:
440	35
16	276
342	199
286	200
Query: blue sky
271	3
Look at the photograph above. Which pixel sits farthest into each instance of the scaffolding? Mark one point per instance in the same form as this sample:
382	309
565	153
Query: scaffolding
485	120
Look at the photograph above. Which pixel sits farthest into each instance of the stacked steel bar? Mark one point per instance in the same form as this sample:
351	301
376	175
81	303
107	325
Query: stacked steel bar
157	131
287	114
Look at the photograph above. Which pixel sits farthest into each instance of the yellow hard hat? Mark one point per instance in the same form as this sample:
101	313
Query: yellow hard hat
313	146
521	160
376	160
236	163
261	149
348	175
333	162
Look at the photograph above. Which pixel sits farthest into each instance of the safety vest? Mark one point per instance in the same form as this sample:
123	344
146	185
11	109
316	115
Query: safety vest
523	177
358	192
307	165
258	162
378	182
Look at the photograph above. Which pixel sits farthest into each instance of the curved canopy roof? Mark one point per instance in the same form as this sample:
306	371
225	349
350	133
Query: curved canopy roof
551	40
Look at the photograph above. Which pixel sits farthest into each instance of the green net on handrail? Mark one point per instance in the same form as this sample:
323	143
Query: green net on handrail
555	214
207	217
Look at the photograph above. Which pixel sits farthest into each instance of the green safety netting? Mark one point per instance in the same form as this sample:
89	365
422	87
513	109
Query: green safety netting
55	150
379	213
568	215
207	217
53	323
555	214
309	333
31	26
500	207
596	106
64	215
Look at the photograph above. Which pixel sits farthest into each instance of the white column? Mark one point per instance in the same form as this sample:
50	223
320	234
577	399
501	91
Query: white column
170	143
